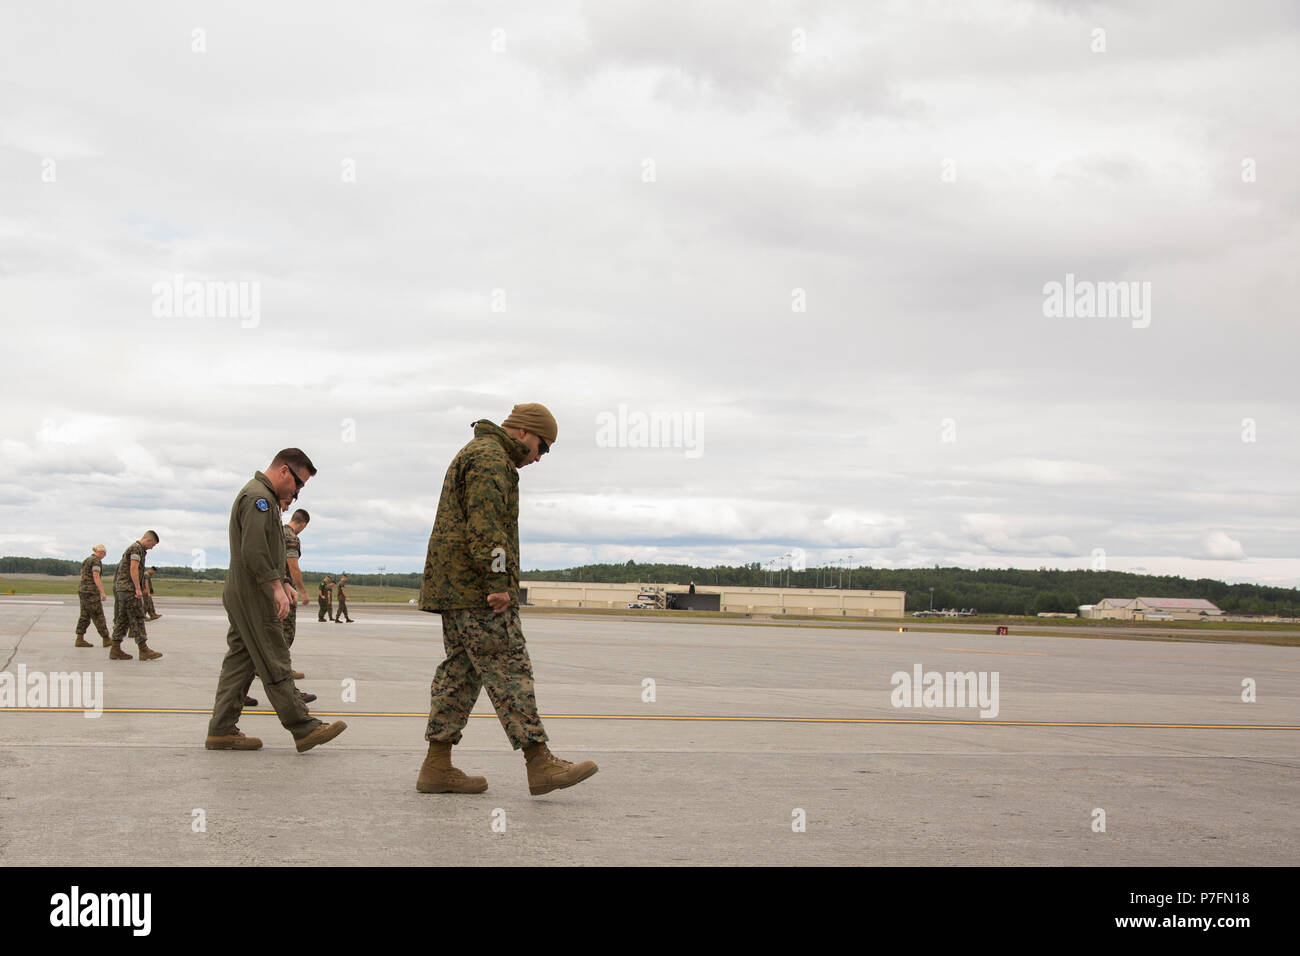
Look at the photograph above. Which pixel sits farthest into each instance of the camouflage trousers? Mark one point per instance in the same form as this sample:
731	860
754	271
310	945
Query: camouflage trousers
92	609
128	616
290	624
147	601
343	612
484	650
326	610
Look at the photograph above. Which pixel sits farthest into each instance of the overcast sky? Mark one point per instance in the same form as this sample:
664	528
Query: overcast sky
819	234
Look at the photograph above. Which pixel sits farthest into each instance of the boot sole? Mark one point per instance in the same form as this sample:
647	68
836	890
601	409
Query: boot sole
228	746
547	788
431	788
336	728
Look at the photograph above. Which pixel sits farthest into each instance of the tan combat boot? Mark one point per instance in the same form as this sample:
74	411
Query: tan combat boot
146	654
82	642
117	654
322	734
437	775
298	675
235	741
107	642
547	772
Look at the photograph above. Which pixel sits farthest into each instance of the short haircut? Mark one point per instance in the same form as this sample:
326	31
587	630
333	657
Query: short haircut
295	458
154	535
301	515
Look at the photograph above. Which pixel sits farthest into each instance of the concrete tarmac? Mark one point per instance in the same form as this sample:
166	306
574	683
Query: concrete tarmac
751	731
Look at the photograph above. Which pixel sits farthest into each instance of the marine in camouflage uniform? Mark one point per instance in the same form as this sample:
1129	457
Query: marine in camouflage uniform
146	593
342	612
325	596
474	552
292	549
128	607
90	593
471	578
292	552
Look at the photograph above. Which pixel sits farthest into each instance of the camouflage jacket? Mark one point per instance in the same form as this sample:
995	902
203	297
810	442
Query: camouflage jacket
122	583
292	549
474	547
87	583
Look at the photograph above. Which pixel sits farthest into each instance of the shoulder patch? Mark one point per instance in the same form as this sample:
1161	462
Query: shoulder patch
262	504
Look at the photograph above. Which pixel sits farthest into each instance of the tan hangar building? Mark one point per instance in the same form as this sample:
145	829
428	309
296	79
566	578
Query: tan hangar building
820	602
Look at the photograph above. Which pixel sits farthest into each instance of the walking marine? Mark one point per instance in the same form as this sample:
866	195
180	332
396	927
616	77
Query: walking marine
90	592
146	589
293	580
326	598
343	602
128	608
471	578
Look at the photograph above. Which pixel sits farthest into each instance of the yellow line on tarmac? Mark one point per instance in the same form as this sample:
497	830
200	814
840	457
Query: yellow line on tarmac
702	717
973	650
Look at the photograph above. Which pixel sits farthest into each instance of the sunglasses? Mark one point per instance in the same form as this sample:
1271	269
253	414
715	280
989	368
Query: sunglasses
297	482
542	446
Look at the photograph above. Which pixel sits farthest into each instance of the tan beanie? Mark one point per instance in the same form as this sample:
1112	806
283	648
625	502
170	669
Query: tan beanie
535	418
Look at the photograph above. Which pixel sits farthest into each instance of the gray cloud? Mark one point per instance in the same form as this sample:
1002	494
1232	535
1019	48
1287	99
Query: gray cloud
516	178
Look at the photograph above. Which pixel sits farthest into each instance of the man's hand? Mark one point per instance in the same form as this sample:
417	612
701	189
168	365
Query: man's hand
281	604
499	601
292	594
102	597
137	593
305	598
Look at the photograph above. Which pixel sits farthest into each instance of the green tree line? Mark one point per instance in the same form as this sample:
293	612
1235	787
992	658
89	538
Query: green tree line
989	590
60	566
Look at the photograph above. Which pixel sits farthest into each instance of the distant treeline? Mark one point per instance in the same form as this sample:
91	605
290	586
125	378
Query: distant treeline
12	565
992	591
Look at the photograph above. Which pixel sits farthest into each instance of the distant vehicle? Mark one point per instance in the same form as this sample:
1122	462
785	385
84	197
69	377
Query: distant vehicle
947	612
649	599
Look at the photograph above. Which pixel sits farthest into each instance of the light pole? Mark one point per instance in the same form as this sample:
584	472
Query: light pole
381	582
931	599
850	572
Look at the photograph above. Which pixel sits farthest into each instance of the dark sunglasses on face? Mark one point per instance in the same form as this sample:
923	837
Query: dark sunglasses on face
542	447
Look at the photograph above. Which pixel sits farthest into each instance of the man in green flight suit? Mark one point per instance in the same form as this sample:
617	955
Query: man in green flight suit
471	577
256	603
90	593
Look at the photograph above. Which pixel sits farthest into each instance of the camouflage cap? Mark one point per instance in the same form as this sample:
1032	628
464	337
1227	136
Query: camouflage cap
534	418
